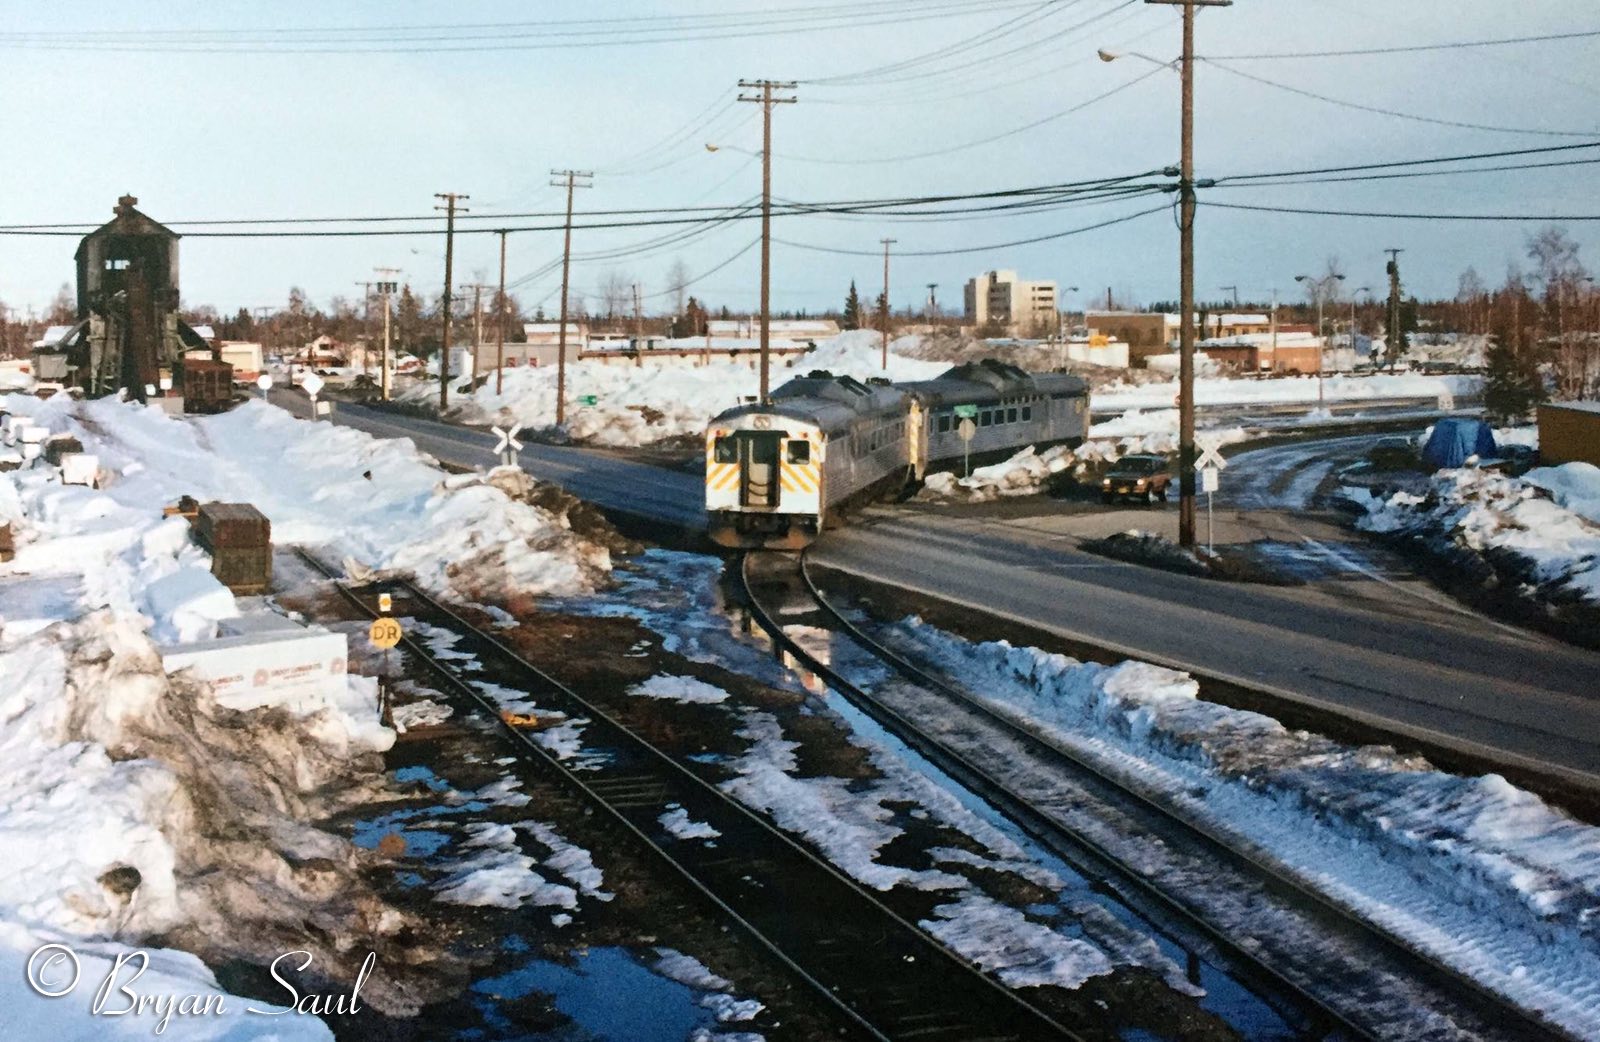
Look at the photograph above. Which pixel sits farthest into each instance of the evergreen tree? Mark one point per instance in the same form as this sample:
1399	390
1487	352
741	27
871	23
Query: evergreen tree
1514	384
852	308
408	320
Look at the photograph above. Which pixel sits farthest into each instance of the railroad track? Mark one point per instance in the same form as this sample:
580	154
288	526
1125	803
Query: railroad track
960	713
886	977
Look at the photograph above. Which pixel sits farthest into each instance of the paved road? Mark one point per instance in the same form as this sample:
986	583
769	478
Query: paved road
604	477
1374	643
1414	664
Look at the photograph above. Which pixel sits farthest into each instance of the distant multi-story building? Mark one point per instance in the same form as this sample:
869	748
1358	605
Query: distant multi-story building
1000	299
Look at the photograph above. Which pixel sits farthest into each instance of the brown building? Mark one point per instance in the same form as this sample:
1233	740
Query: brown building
1144	332
1569	432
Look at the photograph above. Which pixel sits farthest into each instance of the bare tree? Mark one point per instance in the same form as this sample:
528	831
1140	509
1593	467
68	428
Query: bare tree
678	285
1562	276
616	293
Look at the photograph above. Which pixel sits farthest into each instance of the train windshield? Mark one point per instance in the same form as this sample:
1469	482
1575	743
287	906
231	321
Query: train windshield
799	452
727	450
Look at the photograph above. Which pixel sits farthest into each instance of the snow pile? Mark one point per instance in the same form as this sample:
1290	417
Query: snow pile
1024	474
1486	875
636	405
682	690
717	991
1542	530
1029	472
382	502
137	806
1282	390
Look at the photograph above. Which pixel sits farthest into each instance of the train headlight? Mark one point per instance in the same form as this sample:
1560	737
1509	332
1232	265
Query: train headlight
1139	483
1106	483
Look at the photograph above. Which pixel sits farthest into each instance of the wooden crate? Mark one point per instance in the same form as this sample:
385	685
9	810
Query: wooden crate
245	570
226	526
207	386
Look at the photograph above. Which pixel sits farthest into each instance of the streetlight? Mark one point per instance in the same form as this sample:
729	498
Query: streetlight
1319	289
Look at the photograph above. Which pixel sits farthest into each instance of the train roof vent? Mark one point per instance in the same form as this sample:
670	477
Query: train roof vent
834	388
990	371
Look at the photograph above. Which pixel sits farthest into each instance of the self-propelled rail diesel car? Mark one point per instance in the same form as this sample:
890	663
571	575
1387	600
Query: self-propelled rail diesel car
778	473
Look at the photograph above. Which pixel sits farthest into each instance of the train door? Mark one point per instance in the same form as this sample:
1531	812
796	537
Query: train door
759	452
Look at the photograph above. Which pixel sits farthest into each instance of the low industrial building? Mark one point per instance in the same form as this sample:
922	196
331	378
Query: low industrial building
1569	432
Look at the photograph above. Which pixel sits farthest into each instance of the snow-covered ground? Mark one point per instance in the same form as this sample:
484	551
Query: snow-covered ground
1287	390
1483	874
1549	517
1029	471
636	405
137	805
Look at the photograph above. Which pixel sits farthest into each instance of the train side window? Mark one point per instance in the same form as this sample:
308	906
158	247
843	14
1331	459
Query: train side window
727	450
1011	416
944	423
1027	413
800	452
985	418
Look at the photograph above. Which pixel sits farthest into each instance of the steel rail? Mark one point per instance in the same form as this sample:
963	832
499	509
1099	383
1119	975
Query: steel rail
1258	863
927	1022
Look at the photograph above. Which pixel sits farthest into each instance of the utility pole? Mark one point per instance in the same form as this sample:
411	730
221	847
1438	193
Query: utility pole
638	328
500	324
477	289
569	179
451	207
933	301
1394	338
385	288
883	315
1186	186
766	99
1235	290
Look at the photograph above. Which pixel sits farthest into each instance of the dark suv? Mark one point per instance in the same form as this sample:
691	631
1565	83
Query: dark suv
1136	477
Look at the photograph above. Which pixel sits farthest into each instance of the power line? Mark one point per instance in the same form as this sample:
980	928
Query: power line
979	249
1392	112
1409	174
508	36
1553	218
1408	49
1392	164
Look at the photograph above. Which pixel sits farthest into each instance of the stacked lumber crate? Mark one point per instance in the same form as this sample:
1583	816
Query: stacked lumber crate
239	539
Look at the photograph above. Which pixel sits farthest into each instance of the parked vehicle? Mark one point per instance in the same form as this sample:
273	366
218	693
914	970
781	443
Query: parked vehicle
1140	476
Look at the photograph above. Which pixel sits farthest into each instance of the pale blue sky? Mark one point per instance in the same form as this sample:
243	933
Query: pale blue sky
265	135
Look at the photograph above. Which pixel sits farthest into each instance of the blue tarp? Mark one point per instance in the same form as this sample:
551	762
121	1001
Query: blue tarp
1452	441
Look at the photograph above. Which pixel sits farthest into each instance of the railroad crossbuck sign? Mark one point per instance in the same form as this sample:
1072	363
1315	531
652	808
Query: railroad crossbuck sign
1209	456
384	633
508	439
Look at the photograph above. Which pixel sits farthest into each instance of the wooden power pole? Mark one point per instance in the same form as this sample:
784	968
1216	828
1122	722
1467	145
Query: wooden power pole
883	308
569	179
451	208
1186	337
500	324
766	99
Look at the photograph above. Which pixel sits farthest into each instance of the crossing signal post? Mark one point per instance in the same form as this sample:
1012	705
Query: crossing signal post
386	290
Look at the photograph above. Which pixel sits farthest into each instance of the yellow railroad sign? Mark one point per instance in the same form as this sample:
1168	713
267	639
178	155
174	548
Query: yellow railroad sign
385	603
384	633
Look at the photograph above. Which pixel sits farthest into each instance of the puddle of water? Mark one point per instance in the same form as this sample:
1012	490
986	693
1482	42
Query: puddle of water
607	993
